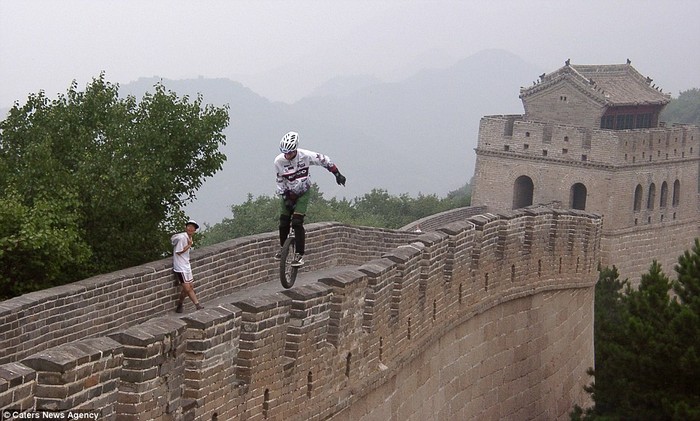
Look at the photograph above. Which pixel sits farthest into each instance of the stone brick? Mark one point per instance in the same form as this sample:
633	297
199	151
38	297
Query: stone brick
405	328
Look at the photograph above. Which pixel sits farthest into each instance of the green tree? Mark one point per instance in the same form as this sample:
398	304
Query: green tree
687	285
647	343
261	214
685	109
609	338
254	216
650	349
122	169
375	209
686	327
459	198
40	245
389	211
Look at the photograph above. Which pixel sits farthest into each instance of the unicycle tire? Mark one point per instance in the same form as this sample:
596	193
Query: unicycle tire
288	273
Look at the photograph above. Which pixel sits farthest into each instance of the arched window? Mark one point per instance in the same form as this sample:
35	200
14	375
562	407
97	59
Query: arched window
676	193
523	190
652	196
577	197
663	199
638	198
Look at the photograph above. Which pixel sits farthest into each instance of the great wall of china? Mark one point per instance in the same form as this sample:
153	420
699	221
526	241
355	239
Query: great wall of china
486	313
488	316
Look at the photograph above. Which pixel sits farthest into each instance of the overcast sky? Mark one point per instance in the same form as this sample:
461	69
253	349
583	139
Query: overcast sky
283	49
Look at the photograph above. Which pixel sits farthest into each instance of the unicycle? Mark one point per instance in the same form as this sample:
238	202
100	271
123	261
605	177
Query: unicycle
288	273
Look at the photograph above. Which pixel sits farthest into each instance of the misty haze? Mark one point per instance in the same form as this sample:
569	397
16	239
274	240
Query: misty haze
391	91
414	136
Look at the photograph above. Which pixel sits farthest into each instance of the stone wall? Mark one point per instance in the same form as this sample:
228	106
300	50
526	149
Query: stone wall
564	103
506	297
466	374
434	222
511	135
633	250
106	303
611	165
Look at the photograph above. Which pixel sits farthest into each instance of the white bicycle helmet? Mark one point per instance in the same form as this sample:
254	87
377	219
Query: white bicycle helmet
289	142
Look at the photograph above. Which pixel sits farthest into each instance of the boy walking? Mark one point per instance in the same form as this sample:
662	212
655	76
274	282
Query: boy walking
182	244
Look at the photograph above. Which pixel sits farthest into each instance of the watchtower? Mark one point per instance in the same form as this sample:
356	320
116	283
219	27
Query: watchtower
591	139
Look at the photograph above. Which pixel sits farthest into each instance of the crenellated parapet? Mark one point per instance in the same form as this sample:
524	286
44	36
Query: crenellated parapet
477	306
512	137
107	303
643	181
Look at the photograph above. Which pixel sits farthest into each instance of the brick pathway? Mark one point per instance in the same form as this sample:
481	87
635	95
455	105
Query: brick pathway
264	288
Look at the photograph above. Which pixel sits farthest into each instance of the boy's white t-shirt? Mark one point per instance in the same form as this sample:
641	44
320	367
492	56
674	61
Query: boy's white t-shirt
181	262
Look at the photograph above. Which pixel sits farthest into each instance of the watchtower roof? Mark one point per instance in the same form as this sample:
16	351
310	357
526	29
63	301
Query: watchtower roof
610	84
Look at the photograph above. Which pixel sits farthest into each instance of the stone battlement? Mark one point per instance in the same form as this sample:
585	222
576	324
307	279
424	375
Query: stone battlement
642	181
512	136
103	304
489	316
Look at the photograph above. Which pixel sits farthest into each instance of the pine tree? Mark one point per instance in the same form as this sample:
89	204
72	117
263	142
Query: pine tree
609	338
651	372
686	327
646	346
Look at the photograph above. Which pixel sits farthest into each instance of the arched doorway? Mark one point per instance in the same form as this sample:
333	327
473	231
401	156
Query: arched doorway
577	196
523	190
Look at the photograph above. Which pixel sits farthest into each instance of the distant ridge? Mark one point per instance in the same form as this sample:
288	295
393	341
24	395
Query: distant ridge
342	86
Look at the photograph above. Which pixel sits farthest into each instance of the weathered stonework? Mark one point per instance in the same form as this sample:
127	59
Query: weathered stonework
477	313
643	181
486	317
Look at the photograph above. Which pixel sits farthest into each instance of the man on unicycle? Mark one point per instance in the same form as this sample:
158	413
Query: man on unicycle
292	169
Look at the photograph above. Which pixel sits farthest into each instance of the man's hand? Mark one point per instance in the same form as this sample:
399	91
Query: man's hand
340	178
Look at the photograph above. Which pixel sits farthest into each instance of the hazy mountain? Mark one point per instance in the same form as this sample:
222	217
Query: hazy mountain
430	59
345	85
413	136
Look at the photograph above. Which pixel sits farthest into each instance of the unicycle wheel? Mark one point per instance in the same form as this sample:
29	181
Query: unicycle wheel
288	273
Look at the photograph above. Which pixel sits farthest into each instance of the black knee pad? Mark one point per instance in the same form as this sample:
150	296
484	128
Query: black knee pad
297	221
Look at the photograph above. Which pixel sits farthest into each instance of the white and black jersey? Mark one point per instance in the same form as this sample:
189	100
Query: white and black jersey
293	175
